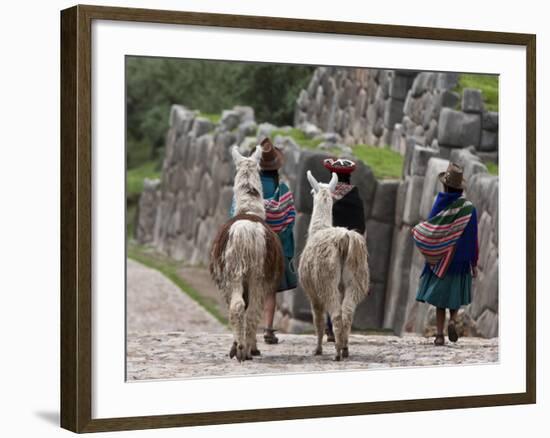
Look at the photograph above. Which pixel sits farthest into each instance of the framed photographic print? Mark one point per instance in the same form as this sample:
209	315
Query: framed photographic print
255	206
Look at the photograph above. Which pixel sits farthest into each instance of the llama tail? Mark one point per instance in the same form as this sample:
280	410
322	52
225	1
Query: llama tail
356	261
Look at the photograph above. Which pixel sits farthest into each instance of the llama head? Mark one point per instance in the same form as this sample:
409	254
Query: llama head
248	186
321	216
322	192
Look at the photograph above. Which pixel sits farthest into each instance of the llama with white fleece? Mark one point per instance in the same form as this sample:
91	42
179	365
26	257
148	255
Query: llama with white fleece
333	269
246	260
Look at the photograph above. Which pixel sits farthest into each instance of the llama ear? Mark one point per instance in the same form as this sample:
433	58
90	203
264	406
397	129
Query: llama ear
333	181
237	157
312	181
258	154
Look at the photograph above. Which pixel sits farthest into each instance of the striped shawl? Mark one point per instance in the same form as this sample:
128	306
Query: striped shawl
436	238
279	209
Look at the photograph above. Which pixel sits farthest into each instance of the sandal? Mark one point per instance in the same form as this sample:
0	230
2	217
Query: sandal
269	336
451	330
439	340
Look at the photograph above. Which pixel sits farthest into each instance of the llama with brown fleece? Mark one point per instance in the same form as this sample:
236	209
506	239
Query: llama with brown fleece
246	260
333	269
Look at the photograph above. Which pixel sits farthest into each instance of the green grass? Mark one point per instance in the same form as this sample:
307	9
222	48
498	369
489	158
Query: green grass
169	268
135	177
298	136
492	168
214	118
385	163
488	84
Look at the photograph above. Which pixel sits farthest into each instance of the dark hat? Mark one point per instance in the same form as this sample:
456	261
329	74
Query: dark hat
340	165
453	177
272	157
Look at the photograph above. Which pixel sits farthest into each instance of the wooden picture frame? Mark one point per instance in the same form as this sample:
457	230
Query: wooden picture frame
76	217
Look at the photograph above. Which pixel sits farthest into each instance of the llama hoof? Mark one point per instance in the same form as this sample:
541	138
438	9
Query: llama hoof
318	352
255	352
233	350
345	352
337	358
241	355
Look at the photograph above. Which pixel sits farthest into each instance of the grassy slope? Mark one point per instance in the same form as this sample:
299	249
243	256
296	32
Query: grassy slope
385	163
492	168
488	84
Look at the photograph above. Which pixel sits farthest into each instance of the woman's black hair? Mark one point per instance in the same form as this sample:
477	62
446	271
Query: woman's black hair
451	189
271	173
344	177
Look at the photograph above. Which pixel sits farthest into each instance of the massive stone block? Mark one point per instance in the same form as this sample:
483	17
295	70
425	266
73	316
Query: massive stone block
313	161
147	211
486	293
487	324
398	279
458	129
420	157
300	234
425	81
383	208
365	181
489	141
230	119
400	198
369	313
399	86
414	315
393	113
202	126
411	209
472	101
446	81
449	99
379	237
489	121
432	185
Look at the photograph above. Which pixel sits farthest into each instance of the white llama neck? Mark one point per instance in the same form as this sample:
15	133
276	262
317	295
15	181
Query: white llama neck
321	217
248	190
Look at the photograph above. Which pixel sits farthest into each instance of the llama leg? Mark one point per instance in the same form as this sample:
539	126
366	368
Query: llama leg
256	298
335	310
319	322
237	319
348	309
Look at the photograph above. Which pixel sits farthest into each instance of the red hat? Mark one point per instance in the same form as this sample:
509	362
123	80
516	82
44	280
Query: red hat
339	165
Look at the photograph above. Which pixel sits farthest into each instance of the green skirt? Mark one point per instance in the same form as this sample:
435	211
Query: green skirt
449	292
289	279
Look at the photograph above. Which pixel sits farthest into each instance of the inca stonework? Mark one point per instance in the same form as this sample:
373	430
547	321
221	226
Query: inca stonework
416	114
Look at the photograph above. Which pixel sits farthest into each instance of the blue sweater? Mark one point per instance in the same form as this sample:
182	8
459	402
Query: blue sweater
466	252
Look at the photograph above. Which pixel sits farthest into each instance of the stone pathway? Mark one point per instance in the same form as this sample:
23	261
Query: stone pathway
155	304
178	355
170	336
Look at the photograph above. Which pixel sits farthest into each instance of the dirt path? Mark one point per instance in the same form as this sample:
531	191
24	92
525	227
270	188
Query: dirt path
155	304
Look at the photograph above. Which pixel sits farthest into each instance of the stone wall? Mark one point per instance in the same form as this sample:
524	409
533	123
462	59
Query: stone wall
395	107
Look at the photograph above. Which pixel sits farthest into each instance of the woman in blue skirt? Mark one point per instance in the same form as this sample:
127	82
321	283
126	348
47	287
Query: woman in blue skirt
448	240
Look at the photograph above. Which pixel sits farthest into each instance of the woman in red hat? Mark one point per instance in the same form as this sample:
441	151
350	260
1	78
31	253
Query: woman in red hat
347	207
